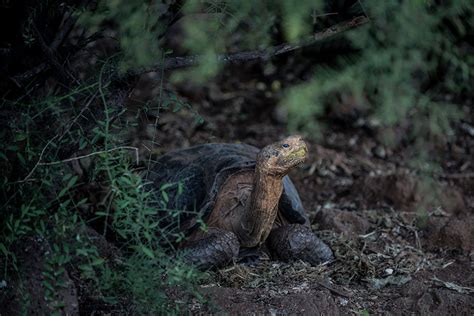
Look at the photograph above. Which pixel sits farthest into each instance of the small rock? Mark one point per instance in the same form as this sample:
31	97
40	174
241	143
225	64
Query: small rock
468	129
353	141
439	212
343	301
451	233
379	152
389	271
261	86
301	287
346	222
276	85
390	280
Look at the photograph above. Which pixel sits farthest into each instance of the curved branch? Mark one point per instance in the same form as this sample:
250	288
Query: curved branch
263	54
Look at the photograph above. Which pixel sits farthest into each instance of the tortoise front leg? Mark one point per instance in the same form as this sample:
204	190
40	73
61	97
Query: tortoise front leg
298	242
217	248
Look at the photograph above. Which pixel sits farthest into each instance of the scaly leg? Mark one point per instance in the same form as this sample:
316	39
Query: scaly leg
298	242
217	248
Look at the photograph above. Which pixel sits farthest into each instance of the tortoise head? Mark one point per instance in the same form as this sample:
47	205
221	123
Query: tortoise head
280	157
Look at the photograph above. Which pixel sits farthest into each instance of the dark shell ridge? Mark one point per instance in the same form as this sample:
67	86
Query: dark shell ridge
201	171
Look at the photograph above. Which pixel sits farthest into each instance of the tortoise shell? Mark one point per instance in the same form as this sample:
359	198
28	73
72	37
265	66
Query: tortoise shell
192	178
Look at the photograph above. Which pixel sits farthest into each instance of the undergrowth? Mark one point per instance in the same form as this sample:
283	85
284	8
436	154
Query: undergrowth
65	170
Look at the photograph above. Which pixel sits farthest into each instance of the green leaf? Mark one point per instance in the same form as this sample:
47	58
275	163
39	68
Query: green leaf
97	261
126	180
59	271
3	249
72	181
85	267
147	235
148	252
165	196
364	312
62	192
167	186
82	143
20	136
48	285
21	158
48	275
81	252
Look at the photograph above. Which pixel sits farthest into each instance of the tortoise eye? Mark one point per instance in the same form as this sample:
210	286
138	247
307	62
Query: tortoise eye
285	145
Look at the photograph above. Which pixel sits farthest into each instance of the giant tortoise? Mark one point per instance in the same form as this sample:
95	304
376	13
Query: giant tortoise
244	196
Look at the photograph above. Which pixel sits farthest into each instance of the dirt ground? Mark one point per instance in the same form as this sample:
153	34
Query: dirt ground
402	246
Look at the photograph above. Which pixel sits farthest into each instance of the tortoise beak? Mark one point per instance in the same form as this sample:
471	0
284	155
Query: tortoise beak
298	156
300	153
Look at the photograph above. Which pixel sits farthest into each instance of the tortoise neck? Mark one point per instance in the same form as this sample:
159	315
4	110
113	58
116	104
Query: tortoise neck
262	209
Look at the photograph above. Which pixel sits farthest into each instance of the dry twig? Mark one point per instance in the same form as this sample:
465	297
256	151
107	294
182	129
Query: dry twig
58	136
263	54
92	154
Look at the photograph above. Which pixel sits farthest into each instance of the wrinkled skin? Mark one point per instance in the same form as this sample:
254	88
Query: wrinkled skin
246	215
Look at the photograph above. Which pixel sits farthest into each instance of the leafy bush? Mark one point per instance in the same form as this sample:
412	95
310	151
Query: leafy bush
411	56
45	195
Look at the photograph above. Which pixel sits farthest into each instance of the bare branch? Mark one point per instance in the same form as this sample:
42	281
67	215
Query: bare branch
137	157
187	61
463	175
60	136
264	54
64	31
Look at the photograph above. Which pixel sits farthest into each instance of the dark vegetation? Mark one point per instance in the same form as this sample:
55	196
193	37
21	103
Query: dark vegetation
92	91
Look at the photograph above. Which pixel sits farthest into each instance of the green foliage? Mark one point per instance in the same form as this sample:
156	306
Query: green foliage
43	197
148	268
410	58
406	46
220	30
364	312
138	25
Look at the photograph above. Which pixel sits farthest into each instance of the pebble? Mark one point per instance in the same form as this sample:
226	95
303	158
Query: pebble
380	152
468	129
343	301
261	86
